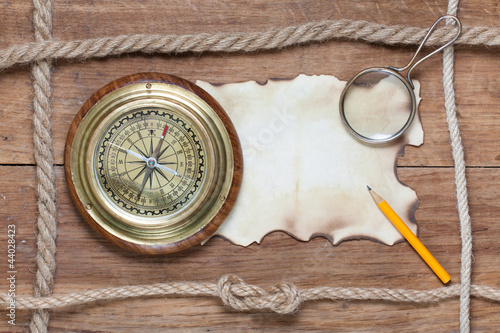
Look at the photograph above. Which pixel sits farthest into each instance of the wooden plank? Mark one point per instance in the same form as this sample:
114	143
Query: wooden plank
75	82
17	26
86	261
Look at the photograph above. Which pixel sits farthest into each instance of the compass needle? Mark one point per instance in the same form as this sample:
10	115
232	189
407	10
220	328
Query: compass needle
164	168
128	151
146	176
155	153
157	179
163	175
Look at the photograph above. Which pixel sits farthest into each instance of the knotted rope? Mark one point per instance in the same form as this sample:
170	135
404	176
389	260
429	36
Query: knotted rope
283	298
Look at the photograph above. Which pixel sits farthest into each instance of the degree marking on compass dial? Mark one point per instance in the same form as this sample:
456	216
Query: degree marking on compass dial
150	162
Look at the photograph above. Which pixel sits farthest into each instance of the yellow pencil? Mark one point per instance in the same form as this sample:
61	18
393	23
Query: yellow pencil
410	237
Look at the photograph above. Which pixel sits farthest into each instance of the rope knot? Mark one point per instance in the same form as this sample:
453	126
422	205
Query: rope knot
283	298
286	298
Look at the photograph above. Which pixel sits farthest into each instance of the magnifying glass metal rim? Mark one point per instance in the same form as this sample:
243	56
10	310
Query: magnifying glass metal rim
406	81
394	136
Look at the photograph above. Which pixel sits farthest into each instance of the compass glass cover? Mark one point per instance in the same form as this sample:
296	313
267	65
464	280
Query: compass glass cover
140	183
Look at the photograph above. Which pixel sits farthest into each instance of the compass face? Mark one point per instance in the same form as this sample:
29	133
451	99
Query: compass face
153	163
125	155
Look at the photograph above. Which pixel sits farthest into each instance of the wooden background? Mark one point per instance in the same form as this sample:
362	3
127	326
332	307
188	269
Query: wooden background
87	261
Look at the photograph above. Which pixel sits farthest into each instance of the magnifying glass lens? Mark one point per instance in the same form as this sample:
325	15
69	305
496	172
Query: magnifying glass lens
377	105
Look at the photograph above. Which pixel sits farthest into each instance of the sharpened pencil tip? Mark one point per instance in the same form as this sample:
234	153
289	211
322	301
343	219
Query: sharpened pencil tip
369	188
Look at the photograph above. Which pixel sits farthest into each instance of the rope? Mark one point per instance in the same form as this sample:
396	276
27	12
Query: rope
282	298
457	151
45	173
270	39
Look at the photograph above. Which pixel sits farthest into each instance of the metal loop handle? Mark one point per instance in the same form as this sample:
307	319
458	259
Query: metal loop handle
412	65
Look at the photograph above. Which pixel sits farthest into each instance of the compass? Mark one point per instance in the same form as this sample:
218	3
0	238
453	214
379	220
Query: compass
153	163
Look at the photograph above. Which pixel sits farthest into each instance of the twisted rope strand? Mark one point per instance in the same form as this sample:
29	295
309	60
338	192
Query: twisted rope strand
283	298
460	189
457	151
274	38
46	192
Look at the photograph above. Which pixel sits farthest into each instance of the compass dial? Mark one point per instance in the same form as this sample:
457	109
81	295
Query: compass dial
153	163
125	154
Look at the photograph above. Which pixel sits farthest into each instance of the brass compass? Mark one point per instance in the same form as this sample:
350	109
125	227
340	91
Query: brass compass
153	163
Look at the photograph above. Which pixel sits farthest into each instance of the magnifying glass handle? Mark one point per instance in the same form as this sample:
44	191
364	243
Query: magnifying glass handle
411	65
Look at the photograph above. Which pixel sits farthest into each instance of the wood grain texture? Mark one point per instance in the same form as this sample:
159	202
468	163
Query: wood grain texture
86	260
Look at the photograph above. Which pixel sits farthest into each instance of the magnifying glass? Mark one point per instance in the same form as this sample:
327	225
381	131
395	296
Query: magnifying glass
361	109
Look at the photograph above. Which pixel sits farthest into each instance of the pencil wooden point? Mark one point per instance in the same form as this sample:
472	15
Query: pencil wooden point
369	188
377	198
